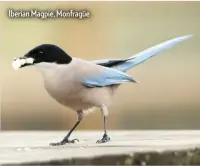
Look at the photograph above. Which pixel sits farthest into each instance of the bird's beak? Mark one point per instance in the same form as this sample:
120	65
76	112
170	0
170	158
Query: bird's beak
20	62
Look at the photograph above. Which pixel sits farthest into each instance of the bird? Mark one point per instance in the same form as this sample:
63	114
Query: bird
81	84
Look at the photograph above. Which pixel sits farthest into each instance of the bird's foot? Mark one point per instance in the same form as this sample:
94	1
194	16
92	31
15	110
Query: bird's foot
63	142
104	139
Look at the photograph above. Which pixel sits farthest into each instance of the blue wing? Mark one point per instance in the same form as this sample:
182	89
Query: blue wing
107	77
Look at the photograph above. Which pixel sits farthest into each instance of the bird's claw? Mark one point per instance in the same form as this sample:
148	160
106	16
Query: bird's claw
104	139
63	142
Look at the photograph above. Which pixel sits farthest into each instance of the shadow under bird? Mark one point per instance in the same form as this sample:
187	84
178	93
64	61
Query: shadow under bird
81	84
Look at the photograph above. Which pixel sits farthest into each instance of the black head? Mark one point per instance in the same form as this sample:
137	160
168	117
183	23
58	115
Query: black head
43	53
48	53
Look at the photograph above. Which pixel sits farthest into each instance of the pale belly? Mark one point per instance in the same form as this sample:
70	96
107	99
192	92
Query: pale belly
78	97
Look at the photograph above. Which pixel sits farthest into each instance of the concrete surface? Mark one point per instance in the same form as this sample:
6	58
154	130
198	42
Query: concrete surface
125	147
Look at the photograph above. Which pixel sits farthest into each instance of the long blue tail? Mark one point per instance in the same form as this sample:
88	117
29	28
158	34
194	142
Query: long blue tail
148	53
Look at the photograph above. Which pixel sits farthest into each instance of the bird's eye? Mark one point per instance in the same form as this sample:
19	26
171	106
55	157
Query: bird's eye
40	52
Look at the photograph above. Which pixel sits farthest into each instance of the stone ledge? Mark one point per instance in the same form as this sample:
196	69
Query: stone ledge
125	148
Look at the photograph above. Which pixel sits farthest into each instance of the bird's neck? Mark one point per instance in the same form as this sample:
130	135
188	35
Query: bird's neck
48	70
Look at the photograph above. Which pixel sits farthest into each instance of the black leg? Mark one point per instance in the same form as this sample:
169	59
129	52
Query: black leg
105	138
66	138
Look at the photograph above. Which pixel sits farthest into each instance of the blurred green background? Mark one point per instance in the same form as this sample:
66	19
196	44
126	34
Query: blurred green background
168	96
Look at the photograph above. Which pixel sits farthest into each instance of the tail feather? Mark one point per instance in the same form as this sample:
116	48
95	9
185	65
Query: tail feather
148	53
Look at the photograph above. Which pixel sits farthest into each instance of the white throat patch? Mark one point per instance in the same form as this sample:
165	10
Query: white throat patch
18	62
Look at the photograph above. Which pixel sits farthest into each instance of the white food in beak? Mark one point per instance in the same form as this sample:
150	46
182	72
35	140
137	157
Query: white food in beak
29	61
18	62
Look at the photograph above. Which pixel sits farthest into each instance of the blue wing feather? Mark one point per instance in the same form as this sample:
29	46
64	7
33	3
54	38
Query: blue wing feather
107	77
